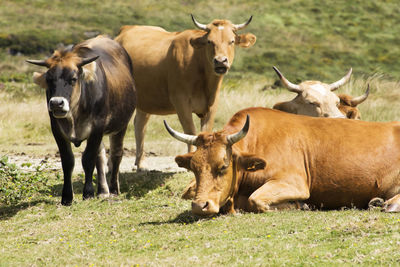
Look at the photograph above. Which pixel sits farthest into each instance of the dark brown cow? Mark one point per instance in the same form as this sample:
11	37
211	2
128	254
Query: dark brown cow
180	72
281	158
90	93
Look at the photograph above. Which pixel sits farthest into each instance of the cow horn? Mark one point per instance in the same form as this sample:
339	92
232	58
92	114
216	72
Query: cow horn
358	100
186	138
198	24
243	25
233	138
345	79
291	86
42	63
87	61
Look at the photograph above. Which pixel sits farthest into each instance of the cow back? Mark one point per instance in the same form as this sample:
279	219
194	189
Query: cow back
334	156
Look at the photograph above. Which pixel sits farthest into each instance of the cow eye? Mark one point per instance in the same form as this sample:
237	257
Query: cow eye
222	170
73	80
232	42
315	104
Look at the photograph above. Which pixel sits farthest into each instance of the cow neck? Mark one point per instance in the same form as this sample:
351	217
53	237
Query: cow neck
213	85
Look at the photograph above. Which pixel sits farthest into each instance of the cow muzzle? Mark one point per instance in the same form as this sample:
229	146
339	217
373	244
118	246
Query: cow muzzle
204	208
221	65
59	107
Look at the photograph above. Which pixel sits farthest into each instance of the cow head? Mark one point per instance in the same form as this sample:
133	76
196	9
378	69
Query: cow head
315	98
348	105
63	79
216	166
219	42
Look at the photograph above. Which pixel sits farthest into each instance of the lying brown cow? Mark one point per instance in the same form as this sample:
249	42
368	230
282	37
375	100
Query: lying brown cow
316	99
180	72
280	158
90	93
348	105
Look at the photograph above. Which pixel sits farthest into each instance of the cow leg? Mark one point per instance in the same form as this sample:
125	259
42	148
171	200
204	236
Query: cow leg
190	190
140	122
67	162
116	153
277	194
207	121
89	159
185	118
392	204
102	187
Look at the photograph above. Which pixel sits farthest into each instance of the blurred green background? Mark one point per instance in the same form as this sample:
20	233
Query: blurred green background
306	39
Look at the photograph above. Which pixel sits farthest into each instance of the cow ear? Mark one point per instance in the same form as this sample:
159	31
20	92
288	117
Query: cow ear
183	161
251	163
198	42
89	71
40	79
246	40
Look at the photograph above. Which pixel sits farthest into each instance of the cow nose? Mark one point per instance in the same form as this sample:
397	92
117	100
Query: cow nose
198	207
56	103
220	60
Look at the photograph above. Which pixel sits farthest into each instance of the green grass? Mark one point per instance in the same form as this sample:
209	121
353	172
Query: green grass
150	225
306	39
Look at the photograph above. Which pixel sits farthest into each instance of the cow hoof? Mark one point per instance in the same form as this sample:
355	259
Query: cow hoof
103	195
87	196
66	202
376	202
392	208
114	192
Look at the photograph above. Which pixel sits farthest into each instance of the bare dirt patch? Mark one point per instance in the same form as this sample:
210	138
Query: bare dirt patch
152	162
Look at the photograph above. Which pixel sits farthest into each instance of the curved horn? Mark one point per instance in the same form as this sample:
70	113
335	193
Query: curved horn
233	138
243	25
42	63
345	79
359	99
198	24
291	86
87	61
186	138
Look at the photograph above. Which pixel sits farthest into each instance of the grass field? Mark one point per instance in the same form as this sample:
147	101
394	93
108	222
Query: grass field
148	224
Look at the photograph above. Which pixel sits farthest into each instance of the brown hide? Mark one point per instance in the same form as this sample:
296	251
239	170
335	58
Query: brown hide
328	163
180	72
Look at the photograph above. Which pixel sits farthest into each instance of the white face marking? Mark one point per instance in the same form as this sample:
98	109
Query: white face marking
220	28
319	88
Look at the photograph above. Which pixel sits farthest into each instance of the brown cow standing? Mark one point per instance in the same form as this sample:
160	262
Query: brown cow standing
180	72
90	93
315	98
283	158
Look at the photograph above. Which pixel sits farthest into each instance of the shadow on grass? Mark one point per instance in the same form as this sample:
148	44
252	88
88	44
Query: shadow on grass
136	185
8	211
186	217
